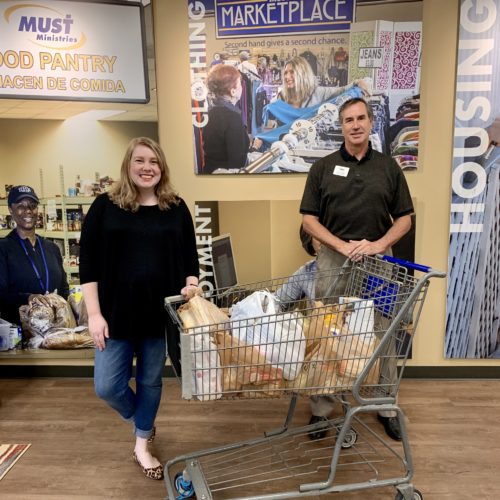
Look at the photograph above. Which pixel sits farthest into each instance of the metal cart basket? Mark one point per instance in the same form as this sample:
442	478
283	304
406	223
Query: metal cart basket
345	345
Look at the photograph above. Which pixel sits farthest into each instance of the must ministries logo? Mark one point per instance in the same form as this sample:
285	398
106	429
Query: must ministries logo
54	29
45	23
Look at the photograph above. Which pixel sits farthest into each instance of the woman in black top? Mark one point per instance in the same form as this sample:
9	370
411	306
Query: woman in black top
137	247
29	264
225	139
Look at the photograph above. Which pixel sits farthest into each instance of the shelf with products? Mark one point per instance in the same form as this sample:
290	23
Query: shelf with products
4	219
62	220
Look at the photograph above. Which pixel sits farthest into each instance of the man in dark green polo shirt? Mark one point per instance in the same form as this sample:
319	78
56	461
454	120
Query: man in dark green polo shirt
356	202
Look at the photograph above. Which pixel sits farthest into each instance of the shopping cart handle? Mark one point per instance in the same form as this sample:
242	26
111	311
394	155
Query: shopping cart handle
406	263
174	298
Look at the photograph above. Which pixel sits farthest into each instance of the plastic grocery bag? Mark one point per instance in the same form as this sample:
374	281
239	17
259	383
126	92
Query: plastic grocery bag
206	373
357	345
278	337
361	318
257	304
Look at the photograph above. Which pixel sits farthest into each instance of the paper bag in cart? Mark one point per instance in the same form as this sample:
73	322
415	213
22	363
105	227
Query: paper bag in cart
245	368
319	370
200	317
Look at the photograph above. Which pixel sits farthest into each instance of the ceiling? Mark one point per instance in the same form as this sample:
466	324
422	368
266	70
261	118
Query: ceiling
62	110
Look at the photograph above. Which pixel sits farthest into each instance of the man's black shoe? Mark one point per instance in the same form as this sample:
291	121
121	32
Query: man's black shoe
320	433
391	426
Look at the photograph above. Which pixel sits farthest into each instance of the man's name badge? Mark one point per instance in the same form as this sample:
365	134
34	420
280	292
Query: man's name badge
341	170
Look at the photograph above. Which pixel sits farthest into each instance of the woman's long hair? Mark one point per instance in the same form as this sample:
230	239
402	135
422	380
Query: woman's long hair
125	194
305	81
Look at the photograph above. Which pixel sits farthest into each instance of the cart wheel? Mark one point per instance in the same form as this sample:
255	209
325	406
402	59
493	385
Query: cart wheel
183	487
350	439
416	495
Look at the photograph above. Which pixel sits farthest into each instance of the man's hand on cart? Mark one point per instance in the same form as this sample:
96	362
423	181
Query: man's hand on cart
358	249
355	250
98	328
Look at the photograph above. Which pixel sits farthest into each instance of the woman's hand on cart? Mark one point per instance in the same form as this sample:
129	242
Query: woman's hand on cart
190	290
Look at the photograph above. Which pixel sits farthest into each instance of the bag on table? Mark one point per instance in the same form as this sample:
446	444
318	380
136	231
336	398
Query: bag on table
44	312
63	338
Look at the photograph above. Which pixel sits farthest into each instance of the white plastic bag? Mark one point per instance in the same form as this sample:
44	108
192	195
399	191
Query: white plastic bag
278	337
359	343
207	371
361	319
257	304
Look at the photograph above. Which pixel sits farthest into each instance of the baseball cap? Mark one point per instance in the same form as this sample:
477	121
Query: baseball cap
17	193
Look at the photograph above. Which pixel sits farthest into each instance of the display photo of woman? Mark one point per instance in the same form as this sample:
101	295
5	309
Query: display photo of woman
29	264
299	90
225	138
137	247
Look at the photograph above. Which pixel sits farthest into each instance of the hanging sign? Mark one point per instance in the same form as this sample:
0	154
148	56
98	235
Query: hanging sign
74	51
371	57
271	17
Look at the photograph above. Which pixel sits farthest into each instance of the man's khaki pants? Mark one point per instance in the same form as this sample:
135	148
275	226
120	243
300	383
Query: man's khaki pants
322	406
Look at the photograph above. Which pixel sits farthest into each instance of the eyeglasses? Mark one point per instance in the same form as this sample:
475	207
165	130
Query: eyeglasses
24	207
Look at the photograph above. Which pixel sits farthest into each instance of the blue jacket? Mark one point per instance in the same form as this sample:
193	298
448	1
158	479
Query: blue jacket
17	276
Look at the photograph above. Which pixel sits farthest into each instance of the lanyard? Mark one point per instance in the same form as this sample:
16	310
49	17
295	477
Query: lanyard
33	265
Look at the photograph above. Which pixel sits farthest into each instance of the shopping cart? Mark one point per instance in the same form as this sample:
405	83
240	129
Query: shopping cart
345	345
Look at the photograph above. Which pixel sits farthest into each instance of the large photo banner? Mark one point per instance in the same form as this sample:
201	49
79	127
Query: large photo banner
473	300
267	79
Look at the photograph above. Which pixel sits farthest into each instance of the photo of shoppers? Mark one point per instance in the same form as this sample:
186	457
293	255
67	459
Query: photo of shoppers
294	79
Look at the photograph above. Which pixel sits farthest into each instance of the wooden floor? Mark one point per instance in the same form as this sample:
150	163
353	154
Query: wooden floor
82	450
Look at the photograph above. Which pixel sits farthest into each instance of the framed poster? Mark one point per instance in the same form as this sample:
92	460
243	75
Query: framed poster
267	79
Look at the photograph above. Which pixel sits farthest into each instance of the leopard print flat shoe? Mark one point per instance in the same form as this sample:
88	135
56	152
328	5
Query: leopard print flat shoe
153	472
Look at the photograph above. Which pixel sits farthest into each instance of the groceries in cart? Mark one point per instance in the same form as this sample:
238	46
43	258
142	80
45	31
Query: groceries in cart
253	346
349	342
278	337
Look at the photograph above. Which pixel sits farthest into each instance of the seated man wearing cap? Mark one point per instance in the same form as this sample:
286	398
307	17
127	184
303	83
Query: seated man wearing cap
29	264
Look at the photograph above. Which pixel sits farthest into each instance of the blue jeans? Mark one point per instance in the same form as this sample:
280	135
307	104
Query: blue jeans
113	371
